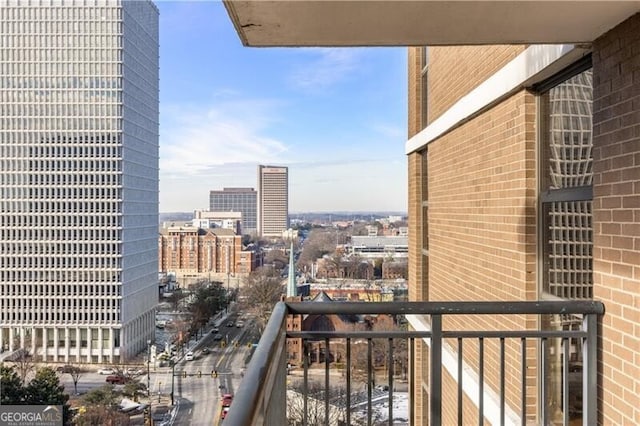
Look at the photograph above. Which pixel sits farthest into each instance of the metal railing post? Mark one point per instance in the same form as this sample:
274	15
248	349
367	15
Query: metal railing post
435	372
348	372
544	385
590	370
326	381
305	383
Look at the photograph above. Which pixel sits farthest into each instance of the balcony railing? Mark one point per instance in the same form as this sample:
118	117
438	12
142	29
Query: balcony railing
262	396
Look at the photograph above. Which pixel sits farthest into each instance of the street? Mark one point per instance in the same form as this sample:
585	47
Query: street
197	385
199	393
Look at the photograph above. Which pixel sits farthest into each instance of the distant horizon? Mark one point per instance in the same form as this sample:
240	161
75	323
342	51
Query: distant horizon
316	212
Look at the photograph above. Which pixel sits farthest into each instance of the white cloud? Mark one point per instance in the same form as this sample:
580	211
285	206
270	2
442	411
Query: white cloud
330	66
193	139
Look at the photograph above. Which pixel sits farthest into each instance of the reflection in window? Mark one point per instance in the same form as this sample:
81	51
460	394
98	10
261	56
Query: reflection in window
566	209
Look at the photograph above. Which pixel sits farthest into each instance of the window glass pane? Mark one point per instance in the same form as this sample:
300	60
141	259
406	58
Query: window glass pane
567	136
567	236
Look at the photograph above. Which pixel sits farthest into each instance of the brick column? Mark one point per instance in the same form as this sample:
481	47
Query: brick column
616	216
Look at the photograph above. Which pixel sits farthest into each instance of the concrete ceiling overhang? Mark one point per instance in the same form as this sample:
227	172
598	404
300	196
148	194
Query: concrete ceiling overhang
264	23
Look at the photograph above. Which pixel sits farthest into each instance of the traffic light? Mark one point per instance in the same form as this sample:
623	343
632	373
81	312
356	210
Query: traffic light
235	344
184	374
199	373
215	373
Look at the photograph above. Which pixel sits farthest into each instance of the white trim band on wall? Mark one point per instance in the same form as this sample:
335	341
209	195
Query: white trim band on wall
535	64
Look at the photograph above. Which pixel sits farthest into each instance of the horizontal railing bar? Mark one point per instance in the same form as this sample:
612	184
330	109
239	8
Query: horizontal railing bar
312	335
529	334
451	334
448	308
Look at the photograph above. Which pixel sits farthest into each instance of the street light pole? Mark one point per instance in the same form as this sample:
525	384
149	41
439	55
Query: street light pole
148	362
227	268
173	375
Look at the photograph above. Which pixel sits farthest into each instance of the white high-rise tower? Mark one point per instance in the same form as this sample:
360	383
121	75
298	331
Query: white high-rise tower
273	200
78	178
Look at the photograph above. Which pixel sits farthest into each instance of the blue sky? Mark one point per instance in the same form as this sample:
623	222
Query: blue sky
336	117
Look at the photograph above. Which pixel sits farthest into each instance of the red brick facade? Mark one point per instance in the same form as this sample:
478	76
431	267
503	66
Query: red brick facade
194	253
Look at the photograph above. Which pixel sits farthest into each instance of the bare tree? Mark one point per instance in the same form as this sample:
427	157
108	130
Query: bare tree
75	372
277	258
175	298
318	243
262	289
24	364
337	265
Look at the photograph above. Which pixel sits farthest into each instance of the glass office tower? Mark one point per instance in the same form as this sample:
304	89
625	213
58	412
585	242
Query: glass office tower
78	178
243	200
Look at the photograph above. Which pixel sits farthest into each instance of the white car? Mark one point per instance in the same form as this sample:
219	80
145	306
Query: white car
107	371
189	356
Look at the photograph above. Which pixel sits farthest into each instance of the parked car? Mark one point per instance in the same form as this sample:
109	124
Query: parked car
227	399
217	337
189	356
107	370
215	329
135	371
205	350
230	324
240	324
115	379
224	412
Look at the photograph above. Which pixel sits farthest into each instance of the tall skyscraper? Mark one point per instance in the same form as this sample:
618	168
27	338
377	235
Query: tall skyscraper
273	200
243	200
78	178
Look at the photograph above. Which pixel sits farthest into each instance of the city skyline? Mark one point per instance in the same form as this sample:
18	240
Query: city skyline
334	117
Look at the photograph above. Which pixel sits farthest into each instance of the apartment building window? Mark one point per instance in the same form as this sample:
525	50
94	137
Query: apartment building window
566	193
566	234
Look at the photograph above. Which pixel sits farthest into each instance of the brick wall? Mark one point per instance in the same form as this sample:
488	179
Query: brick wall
616	206
481	233
414	90
482	221
455	71
482	226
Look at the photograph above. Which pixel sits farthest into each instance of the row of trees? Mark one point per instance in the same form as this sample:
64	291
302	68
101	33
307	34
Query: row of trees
324	244
203	300
43	389
207	299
